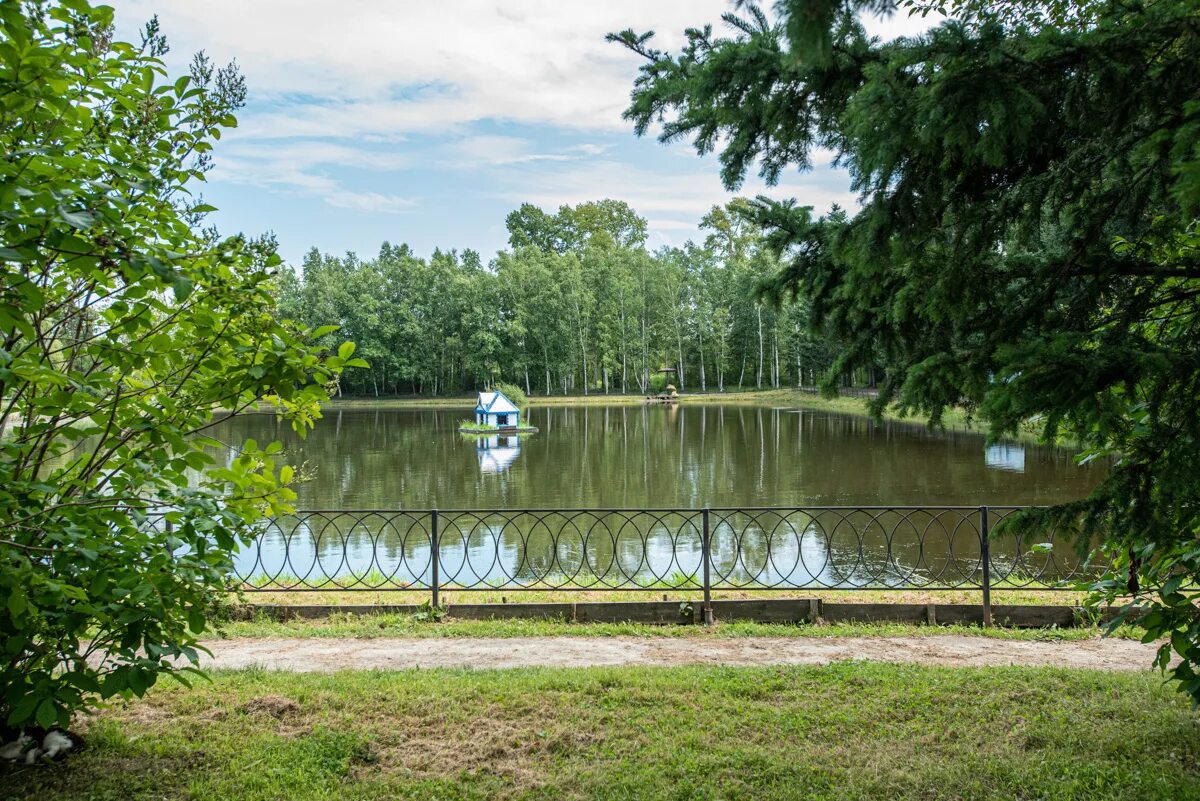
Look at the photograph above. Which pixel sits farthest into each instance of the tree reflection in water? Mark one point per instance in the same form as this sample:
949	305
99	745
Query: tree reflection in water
643	458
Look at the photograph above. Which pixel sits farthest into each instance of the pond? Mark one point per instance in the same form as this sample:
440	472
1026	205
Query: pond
653	457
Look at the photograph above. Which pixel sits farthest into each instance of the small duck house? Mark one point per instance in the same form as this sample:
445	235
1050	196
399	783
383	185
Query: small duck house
493	408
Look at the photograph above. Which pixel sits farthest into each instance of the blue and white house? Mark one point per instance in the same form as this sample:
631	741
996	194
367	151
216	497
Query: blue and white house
493	408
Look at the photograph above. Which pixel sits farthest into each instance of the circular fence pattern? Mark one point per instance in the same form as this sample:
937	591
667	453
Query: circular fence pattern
664	549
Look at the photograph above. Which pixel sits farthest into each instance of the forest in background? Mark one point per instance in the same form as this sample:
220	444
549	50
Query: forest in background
576	304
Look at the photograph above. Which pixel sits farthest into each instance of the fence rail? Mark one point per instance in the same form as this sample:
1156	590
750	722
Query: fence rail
763	548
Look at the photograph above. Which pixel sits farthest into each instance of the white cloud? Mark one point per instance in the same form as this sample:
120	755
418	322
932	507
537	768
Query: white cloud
514	101
499	151
662	225
296	167
673	202
473	151
315	152
369	201
367	68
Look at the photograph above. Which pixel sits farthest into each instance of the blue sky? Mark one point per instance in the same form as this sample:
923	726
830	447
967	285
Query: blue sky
426	123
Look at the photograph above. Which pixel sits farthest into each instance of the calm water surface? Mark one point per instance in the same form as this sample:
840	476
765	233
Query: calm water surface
649	458
655	456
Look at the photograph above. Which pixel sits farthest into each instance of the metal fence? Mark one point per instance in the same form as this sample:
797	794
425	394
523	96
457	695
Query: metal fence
883	547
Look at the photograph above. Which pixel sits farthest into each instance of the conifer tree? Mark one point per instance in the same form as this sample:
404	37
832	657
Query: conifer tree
1027	244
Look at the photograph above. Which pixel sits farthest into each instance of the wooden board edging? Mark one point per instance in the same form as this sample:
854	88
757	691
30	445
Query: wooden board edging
758	610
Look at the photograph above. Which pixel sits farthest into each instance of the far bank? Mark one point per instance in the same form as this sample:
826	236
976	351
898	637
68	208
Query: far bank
953	419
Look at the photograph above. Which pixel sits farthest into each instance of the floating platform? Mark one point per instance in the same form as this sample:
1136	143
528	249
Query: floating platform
662	399
507	430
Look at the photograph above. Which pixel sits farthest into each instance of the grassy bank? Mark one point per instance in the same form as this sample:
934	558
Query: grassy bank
735	397
393	625
844	731
765	397
450	596
954	419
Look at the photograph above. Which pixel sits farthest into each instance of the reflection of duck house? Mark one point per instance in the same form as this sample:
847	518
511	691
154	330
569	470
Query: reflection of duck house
496	453
494	409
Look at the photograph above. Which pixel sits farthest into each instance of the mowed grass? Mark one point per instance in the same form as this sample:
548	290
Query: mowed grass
450	596
373	626
841	732
953	419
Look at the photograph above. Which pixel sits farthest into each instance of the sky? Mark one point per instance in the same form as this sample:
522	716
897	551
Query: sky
426	123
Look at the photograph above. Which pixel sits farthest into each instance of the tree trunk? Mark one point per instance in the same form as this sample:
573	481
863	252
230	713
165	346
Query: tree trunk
758	375
775	354
624	351
720	363
583	352
679	357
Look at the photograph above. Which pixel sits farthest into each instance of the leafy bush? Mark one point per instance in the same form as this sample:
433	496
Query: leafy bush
1036	264
514	394
658	383
123	329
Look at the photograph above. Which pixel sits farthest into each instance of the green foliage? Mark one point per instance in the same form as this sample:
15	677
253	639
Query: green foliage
514	394
1027	244
343	625
658	382
592	311
428	613
604	222
472	426
123	330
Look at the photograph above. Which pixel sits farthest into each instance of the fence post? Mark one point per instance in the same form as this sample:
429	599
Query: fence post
706	558
434	553
985	555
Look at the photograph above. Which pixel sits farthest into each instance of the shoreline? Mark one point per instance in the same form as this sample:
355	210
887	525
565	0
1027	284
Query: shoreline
954	420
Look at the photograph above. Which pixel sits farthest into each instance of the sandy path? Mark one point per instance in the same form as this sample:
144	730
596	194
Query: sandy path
308	655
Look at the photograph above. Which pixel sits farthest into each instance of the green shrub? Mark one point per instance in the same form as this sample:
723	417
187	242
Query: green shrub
125	326
514	394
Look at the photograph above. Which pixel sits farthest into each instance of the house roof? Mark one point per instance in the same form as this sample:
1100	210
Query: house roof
495	402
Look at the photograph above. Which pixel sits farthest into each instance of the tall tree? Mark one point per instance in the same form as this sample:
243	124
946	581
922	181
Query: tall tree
587	309
124	329
1027	243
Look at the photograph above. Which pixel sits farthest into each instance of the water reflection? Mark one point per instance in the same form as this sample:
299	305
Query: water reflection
637	457
640	549
1005	456
496	453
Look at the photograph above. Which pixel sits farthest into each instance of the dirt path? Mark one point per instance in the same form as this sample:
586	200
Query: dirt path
308	655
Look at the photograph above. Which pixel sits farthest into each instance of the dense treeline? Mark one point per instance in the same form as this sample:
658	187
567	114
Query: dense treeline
577	304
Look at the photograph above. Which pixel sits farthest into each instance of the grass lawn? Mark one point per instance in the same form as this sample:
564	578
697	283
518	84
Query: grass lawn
844	731
391	625
732	397
954	419
451	596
